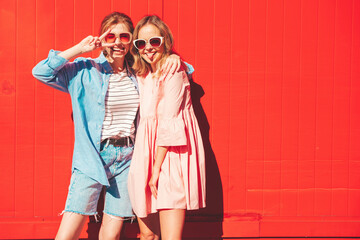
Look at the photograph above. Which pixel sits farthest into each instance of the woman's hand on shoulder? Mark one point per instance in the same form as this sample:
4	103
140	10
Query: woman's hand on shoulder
171	65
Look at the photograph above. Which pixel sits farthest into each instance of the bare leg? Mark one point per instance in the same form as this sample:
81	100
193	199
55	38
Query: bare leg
110	227
172	223
71	226
149	227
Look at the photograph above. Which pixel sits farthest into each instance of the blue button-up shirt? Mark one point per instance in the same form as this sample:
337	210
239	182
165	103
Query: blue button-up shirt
86	80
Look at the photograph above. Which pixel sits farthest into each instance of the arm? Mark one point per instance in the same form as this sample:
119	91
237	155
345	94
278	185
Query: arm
56	71
159	159
173	64
171	127
88	44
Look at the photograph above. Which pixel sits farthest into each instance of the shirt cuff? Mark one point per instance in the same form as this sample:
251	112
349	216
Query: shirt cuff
55	61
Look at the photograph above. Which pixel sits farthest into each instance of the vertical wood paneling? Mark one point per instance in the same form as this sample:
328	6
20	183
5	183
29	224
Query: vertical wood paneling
100	10
156	7
275	89
354	153
290	108
324	108
203	101
83	21
44	116
307	106
123	6
25	110
63	127
138	10
220	119
256	106
187	28
341	134
238	106
272	118
8	21
171	17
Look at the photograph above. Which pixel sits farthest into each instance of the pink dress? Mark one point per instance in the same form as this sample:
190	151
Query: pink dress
167	119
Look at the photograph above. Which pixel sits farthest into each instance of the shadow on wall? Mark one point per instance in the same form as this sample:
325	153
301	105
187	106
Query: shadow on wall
206	223
200	224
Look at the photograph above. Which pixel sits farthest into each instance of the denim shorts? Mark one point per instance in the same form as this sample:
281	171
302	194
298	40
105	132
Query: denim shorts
84	192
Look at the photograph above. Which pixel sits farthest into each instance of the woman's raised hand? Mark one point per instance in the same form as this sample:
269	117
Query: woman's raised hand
88	44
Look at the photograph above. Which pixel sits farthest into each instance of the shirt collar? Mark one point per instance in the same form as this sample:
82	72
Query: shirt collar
103	61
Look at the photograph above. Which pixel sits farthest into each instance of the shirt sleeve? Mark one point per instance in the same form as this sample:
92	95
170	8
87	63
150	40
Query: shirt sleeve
54	71
171	126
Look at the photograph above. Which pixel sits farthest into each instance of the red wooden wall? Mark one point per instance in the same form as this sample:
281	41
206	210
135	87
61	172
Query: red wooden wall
276	91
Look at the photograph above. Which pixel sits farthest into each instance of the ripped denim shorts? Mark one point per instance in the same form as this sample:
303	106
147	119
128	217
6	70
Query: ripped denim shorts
84	192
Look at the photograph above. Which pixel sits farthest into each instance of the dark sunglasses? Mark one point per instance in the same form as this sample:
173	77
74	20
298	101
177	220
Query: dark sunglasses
124	37
154	42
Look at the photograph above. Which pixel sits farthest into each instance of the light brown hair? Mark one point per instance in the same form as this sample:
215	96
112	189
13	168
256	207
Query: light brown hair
141	67
115	18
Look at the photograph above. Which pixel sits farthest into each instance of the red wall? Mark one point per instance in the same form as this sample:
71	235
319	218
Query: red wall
276	91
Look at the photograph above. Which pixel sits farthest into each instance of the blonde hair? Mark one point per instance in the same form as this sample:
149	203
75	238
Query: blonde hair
141	67
115	18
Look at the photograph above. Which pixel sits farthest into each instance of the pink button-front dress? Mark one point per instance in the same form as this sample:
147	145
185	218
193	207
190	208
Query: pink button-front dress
167	119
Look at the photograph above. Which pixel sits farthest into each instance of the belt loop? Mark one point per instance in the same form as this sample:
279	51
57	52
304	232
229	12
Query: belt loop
128	141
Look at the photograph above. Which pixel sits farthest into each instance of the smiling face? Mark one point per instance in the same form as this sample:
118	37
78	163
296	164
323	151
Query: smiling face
150	54
118	52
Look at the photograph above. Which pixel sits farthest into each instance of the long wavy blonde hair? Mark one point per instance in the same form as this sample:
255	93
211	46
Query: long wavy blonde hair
141	67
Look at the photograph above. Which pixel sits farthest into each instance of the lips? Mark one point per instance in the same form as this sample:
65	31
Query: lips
150	55
118	49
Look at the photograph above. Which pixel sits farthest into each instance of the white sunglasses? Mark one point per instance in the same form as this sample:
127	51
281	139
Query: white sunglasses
155	42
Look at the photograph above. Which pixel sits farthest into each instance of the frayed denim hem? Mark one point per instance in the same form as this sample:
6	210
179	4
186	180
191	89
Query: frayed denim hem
120	218
95	214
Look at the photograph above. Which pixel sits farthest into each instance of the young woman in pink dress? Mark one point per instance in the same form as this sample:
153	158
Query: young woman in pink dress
167	172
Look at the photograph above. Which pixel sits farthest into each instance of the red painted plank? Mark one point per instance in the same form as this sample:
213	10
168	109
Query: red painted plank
307	106
156	7
324	108
220	120
44	117
25	115
310	226
256	103
171	17
187	18
123	6
138	9
63	126
341	101
290	108
7	111
322	202
83	21
288	202
238	106
354	141
202	88
273	95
